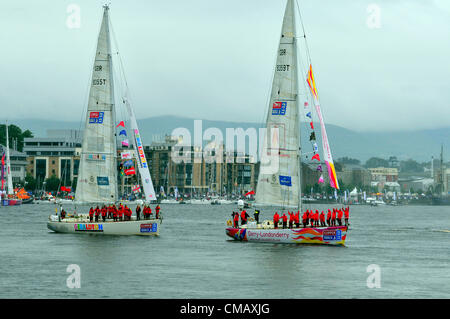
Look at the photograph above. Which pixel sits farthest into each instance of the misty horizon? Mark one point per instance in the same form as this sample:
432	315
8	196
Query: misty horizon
210	60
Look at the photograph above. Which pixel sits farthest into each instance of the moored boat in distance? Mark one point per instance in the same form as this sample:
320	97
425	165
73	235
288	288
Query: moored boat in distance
8	197
279	181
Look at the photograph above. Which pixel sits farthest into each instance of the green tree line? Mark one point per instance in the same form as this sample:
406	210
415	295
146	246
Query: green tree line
15	134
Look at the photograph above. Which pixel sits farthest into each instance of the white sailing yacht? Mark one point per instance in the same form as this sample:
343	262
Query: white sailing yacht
98	177
8	197
279	181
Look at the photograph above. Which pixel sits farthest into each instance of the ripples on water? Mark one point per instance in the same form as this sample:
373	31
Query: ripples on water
193	258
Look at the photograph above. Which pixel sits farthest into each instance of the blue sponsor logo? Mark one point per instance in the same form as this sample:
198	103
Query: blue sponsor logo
285	180
149	228
279	108
96	117
102	180
332	234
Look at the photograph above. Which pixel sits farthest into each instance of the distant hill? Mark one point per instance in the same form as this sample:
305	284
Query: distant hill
419	145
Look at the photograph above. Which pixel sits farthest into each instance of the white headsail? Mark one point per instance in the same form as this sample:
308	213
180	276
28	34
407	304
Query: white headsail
279	177
97	180
141	160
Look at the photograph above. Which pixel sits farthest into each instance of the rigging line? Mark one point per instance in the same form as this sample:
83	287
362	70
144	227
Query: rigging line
121	67
120	78
303	28
270	88
87	91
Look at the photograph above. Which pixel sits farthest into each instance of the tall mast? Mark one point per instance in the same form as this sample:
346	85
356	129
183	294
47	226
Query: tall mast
113	109
299	206
8	163
442	170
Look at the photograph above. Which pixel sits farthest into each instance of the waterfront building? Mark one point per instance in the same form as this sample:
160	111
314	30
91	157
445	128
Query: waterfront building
416	184
56	154
355	175
384	174
197	172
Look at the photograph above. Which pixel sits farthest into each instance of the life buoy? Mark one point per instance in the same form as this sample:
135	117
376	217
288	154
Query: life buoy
251	219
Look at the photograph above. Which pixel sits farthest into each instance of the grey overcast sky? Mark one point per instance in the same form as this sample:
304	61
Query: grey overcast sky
213	59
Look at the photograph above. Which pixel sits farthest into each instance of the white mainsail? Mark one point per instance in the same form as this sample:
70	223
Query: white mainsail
279	177
97	180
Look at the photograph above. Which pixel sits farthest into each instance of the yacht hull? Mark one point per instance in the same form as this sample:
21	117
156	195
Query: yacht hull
148	227
316	235
11	202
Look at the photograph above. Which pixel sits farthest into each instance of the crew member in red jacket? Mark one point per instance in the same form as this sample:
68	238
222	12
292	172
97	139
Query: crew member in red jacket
316	218
236	220
244	217
291	219
284	219
308	216
322	219
305	218
120	213
115	212
91	214
329	217
104	213
297	219
333	217
347	211
97	213
340	217
276	219
125	213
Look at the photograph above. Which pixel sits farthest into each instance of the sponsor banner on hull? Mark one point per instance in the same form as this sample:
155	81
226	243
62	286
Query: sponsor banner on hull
295	235
332	234
88	227
149	228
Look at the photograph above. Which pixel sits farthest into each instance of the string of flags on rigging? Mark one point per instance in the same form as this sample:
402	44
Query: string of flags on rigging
126	168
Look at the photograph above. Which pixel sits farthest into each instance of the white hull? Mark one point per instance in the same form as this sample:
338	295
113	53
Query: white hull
169	201
198	202
64	201
38	201
149	227
221	201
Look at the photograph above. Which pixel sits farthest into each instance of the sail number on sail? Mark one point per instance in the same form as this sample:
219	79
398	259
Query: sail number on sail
98	81
283	67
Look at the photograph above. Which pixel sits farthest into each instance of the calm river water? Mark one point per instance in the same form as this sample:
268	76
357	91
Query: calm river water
193	258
